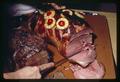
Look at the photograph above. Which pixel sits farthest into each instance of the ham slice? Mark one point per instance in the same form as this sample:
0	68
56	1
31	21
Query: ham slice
86	56
77	44
94	71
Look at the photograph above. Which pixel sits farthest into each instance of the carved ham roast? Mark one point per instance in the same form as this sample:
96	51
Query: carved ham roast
68	31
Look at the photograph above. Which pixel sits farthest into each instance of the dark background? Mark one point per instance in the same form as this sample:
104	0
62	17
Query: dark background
74	4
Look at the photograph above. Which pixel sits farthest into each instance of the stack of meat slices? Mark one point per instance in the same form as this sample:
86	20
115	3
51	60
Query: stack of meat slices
81	50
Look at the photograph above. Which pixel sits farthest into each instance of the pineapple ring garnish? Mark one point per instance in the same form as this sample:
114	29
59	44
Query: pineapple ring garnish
50	13
79	15
62	23
50	23
67	10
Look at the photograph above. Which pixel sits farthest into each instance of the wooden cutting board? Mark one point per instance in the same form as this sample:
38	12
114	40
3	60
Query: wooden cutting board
103	44
103	49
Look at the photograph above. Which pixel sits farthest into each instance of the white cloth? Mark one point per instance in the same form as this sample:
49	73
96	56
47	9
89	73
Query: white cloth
21	9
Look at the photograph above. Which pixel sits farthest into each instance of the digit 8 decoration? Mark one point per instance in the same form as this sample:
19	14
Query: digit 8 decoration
50	13
62	23
49	23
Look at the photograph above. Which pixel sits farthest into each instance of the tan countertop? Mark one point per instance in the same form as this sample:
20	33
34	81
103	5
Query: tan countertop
111	17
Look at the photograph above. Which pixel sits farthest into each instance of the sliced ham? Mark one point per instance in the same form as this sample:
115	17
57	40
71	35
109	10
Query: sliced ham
77	44
94	71
86	56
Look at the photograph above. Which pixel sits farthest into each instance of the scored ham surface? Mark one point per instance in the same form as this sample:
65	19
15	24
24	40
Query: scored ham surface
94	71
